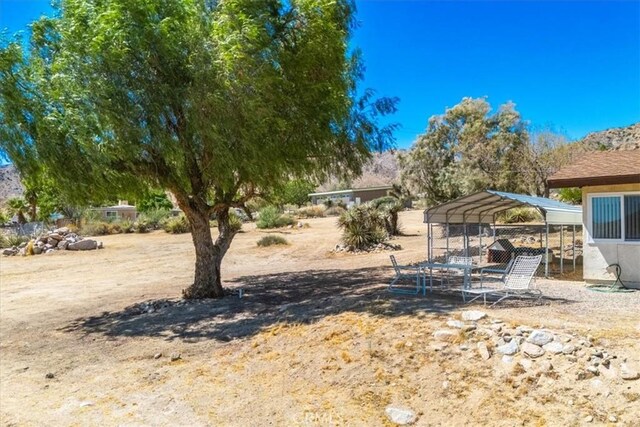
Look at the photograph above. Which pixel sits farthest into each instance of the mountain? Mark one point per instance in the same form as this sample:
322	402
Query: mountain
10	185
380	171
625	138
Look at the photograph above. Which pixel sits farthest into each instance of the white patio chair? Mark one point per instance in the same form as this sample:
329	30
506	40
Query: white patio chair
496	270
454	259
518	282
401	275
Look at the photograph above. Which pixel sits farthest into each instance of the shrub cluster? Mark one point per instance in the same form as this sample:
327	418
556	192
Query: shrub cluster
363	226
519	215
270	217
271	240
176	225
315	211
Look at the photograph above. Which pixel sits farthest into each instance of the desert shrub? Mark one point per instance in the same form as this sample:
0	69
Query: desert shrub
335	211
4	217
571	195
256	204
268	217
285	220
92	215
363	226
96	228
176	225
235	221
141	226
389	206
271	240
519	215
154	218
11	240
316	211
127	226
115	227
73	228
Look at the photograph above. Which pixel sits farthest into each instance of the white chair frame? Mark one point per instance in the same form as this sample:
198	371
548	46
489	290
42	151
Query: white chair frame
400	275
518	282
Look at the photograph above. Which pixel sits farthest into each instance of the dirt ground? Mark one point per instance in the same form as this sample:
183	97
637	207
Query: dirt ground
316	340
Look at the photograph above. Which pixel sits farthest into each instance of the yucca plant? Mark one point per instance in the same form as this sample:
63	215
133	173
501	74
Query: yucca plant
363	226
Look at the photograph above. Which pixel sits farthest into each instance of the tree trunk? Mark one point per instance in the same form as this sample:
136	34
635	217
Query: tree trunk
207	282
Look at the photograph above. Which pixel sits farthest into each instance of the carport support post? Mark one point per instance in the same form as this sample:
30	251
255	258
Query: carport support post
429	242
573	250
561	249
465	240
446	253
480	242
546	250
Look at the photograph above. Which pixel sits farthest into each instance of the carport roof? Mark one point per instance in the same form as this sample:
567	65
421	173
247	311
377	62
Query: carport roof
481	208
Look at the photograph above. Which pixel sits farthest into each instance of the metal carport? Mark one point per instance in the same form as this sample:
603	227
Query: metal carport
482	208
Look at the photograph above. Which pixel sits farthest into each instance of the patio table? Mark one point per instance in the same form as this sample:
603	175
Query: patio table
466	269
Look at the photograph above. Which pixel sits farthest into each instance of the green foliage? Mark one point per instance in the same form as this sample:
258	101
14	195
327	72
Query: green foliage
235	222
255	204
465	150
217	101
271	240
154	218
4	216
156	200
519	215
363	226
390	207
142	226
315	211
18	207
571	195
11	240
127	226
176	225
295	192
96	228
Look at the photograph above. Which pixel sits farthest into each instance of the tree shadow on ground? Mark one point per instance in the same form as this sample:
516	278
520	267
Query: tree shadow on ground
293	297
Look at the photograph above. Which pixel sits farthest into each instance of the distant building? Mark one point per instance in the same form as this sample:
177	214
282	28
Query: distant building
123	210
610	183
350	197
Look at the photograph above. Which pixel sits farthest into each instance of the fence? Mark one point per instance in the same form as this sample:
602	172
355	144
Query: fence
32	229
491	245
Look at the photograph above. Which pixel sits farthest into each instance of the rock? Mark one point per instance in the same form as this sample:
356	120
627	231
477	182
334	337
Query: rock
83	245
399	415
526	364
473	315
37	250
49	376
545	366
572	359
593	369
100	245
613	419
608	373
85	404
175	357
468	328
496	328
55	236
539	337
597	354
483	351
627	373
507	359
157	355
509	348
455	324
445	385
49	251
568	349
445	335
532	350
524	329
9	252
52	242
63	245
61	230
588	419
554	347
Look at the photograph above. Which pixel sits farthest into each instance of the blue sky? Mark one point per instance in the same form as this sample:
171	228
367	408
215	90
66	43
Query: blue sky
571	65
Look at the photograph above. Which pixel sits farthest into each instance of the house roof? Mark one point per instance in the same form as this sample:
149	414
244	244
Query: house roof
481	207
329	193
600	168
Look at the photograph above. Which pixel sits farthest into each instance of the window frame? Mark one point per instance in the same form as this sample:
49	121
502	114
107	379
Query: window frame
620	195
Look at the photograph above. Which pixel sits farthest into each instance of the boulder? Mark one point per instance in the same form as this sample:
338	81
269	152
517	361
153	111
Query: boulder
532	350
61	230
568	349
473	315
83	245
399	415
509	348
445	335
554	347
539	337
52	242
55	236
37	250
628	373
455	324
483	351
63	244
9	252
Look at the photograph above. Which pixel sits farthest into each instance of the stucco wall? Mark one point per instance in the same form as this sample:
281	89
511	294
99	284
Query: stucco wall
597	256
366	196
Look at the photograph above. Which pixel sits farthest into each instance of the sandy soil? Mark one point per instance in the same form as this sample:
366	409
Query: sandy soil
316	340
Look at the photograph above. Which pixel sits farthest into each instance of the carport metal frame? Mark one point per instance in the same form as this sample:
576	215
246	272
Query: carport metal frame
488	204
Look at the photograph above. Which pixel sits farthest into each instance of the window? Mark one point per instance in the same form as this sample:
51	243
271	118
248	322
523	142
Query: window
111	214
616	217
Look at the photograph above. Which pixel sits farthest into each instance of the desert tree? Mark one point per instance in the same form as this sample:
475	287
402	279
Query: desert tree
215	101
466	149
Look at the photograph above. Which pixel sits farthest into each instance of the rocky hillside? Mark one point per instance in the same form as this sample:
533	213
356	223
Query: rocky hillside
626	138
10	185
381	170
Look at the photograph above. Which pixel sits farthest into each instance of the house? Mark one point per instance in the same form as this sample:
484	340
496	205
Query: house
610	183
123	210
350	197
